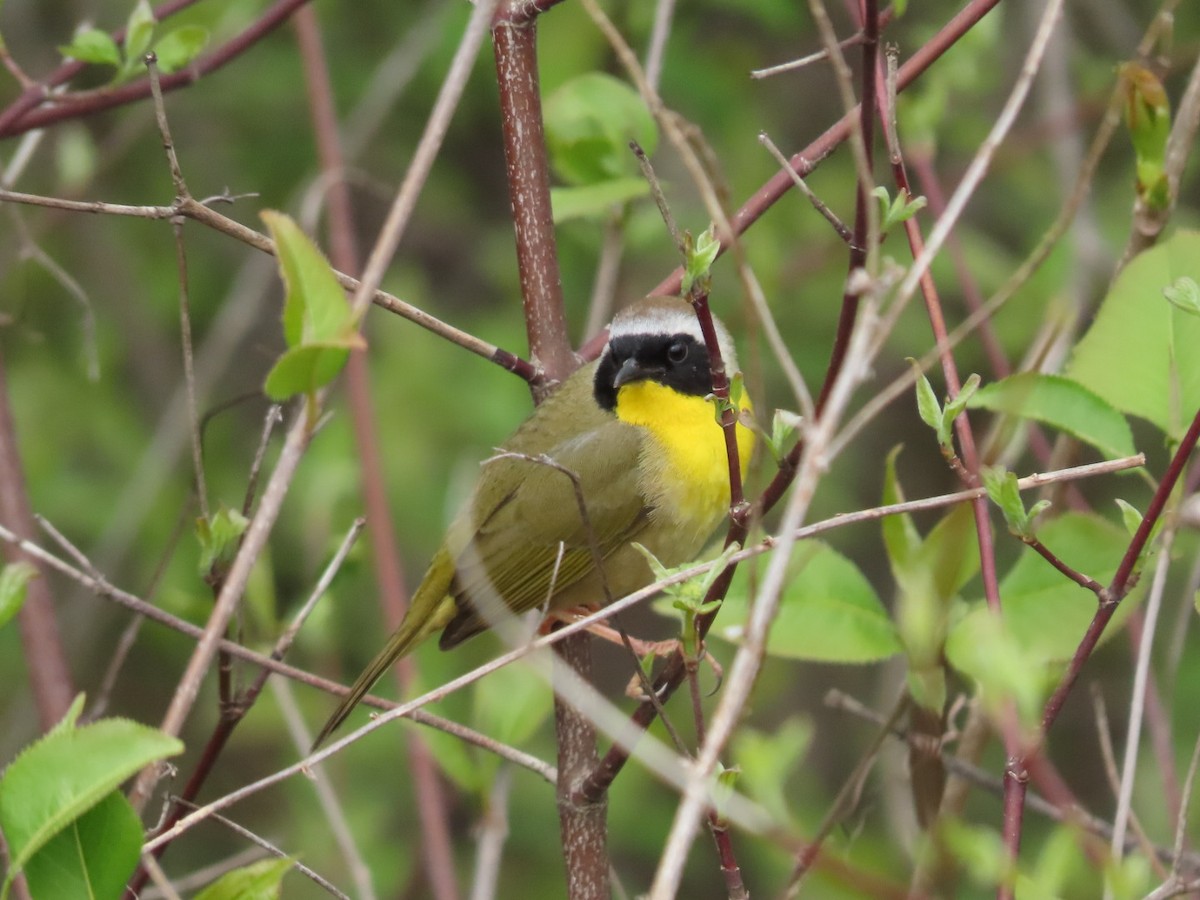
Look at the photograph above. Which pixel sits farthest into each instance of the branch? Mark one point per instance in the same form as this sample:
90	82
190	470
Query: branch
22	116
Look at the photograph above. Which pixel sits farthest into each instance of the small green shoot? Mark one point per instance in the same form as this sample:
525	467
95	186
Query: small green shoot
1148	118
938	417
219	538
688	596
737	389
258	881
1133	521
893	212
175	50
699	254
1002	489
723	788
784	426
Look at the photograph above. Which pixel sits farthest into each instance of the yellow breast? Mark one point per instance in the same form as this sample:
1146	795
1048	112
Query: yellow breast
684	468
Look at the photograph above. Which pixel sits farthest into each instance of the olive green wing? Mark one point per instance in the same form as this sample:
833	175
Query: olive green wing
526	539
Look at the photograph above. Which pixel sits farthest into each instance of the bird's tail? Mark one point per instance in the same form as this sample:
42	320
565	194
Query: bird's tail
425	615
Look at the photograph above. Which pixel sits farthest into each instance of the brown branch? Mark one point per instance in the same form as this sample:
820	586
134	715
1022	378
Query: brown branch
1121	582
807	160
201	212
583	825
24	115
514	37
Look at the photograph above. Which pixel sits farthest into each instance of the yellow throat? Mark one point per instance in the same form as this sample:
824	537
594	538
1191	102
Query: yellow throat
685	472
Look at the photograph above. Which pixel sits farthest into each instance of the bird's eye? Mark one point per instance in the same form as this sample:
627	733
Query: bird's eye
677	352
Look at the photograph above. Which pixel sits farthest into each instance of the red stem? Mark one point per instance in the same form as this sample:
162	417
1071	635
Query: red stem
436	844
1112	595
22	116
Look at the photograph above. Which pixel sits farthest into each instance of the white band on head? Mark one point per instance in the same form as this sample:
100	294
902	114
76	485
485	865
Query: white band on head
670	315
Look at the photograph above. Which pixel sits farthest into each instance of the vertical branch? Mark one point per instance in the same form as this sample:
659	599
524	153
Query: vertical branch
582	823
436	845
528	172
49	674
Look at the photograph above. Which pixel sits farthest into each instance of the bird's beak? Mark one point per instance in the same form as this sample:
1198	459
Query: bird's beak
633	370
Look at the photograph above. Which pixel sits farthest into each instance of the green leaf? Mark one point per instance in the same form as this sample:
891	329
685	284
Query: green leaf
590	121
946	560
262	880
980	852
315	310
179	46
1045	612
138	30
1184	294
90	45
960	401
1063	404
699	254
1137	346
828	612
1130	517
14	579
595	200
1003	666
927	686
893	212
304	370
318	323
219	537
67	772
1148	117
901	540
928	407
951	551
93	856
1002	489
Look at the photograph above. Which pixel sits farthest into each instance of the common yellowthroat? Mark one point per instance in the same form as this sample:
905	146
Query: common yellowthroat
637	432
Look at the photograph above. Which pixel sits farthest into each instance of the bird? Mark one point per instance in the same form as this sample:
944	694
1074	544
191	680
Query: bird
636	434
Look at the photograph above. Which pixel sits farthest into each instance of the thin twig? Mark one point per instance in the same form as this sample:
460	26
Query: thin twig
194	209
978	777
274	851
846	799
490	835
24	115
843	231
1109	756
327	797
159	877
1137	700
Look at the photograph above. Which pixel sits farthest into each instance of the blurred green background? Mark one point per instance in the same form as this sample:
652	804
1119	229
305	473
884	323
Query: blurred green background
96	378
